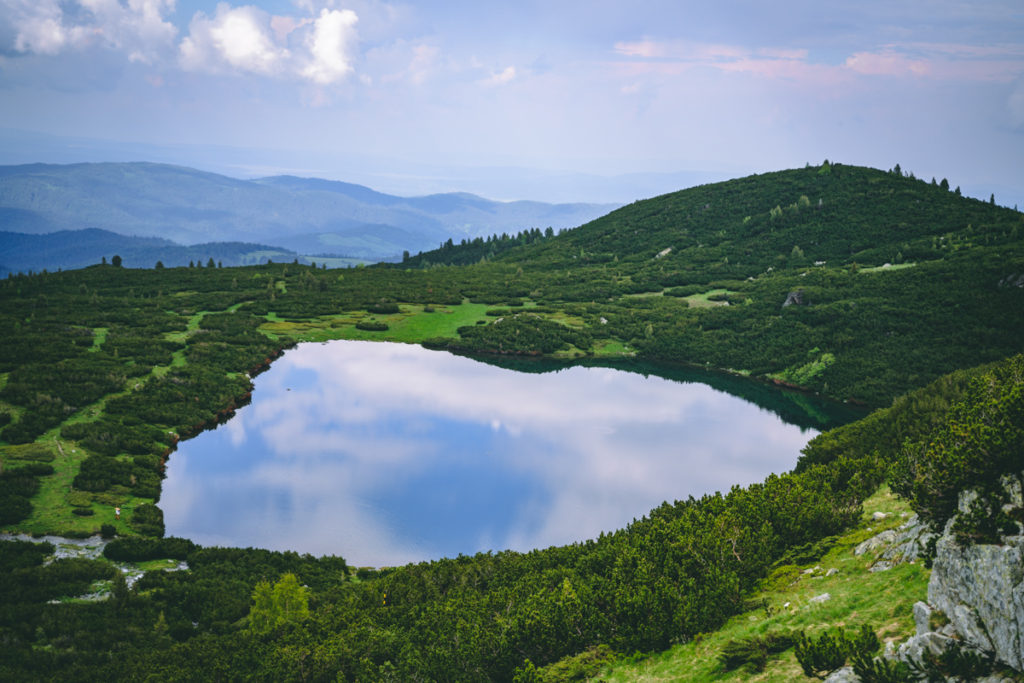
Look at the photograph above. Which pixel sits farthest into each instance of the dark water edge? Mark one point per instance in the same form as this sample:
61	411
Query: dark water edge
801	408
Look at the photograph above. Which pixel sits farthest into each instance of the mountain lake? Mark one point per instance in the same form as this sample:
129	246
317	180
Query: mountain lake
386	453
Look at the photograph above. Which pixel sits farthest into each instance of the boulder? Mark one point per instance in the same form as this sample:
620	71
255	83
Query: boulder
844	675
794	298
875	542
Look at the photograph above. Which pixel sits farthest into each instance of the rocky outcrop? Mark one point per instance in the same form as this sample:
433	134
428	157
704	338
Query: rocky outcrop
794	298
975	593
906	543
980	588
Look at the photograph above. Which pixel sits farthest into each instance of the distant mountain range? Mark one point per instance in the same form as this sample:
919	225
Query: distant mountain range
305	215
69	249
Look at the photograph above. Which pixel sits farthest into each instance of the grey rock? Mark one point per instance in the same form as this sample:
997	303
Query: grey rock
915	647
878	516
912	538
881	566
981	589
796	297
875	542
824	597
922	616
844	675
832	572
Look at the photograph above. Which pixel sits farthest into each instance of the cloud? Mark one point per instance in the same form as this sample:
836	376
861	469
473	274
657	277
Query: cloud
945	61
245	39
330	46
506	75
234	39
886	63
48	27
248	40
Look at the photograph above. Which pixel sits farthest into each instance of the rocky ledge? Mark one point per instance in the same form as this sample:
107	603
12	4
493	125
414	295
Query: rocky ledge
975	593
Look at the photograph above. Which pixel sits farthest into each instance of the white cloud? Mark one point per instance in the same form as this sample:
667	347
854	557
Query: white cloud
237	38
330	46
137	27
506	75
48	27
248	40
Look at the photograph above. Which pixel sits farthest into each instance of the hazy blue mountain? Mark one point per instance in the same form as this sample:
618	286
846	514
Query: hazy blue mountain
316	216
20	252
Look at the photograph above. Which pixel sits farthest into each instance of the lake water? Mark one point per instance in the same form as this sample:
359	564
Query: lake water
390	453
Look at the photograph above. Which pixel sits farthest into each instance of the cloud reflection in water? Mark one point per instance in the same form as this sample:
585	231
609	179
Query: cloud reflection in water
390	453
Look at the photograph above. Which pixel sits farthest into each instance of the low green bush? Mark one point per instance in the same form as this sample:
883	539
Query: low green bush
821	656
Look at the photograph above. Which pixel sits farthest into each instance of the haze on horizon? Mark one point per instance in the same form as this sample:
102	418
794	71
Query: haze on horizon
555	101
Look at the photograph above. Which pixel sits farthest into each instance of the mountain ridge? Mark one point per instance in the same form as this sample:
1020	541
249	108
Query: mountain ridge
190	207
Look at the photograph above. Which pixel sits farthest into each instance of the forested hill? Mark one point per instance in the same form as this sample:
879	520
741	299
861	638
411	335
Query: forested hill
855	282
833	213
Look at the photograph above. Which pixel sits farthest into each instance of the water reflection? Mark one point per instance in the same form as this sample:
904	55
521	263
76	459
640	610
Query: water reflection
389	453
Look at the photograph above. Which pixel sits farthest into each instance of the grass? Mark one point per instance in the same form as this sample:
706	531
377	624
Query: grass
605	348
884	600
703	301
99	335
887	266
801	375
410	325
51	509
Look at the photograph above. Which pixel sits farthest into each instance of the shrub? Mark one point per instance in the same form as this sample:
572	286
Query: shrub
371	325
822	655
79	499
753	652
955	662
135	549
148	520
82	512
980	440
881	670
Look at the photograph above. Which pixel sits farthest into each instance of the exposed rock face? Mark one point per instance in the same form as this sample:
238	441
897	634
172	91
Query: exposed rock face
980	588
1012	280
795	297
912	538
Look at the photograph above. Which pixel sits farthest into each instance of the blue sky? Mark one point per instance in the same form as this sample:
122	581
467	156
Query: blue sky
555	100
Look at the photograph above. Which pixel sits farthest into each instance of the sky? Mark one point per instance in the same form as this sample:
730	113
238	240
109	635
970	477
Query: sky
558	100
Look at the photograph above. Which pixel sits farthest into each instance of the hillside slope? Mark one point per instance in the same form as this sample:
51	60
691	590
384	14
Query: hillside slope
859	283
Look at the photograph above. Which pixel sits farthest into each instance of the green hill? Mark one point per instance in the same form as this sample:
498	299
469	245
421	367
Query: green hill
857	283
